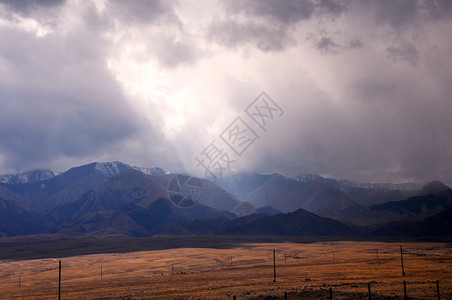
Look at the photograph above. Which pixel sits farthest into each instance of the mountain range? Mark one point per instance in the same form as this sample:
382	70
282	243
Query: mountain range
105	198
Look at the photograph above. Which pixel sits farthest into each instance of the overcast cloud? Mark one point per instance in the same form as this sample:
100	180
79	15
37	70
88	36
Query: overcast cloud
365	85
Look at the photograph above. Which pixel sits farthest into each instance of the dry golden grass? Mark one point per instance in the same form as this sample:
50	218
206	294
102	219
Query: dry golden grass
207	273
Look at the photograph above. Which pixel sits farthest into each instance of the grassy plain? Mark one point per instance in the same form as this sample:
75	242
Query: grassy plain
304	270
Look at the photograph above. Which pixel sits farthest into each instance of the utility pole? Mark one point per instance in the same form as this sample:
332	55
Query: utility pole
274	266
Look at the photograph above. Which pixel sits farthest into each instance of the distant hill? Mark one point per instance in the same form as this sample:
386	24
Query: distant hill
298	223
16	220
437	225
267	210
205	227
414	209
134	220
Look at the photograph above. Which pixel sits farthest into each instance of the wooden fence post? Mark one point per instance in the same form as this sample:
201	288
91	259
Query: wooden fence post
437	289
401	258
404	290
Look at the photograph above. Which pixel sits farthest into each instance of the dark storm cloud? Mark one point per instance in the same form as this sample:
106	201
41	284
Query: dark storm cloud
27	6
326	46
275	22
406	52
169	46
394	13
172	53
232	33
59	99
143	11
377	114
355	43
291	12
268	24
403	14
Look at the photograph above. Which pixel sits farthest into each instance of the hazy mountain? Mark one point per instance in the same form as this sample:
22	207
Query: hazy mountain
288	195
432	188
242	184
16	220
413	208
405	186
366	194
300	222
27	177
311	191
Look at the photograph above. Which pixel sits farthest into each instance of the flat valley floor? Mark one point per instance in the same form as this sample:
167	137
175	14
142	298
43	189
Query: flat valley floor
303	270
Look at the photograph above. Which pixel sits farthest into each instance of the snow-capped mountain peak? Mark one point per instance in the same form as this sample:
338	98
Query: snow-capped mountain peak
28	177
151	171
110	168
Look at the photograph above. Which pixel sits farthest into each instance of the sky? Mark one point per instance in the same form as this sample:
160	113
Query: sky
360	90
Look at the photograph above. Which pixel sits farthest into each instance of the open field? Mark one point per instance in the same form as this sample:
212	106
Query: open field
304	270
